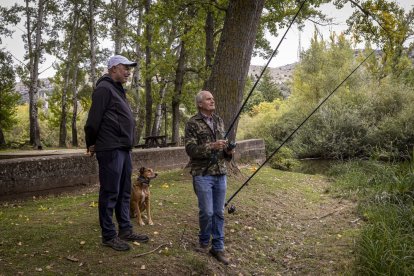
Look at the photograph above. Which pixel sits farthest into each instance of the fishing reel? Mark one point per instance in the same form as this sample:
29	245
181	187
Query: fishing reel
231	146
231	209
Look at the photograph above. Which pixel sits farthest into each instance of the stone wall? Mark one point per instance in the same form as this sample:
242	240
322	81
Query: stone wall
44	174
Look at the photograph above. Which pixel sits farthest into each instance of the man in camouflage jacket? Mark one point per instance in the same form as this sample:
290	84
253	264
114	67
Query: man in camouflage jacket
208	152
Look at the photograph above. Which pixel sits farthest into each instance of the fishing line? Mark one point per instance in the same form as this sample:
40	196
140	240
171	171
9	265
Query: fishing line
232	145
264	69
233	208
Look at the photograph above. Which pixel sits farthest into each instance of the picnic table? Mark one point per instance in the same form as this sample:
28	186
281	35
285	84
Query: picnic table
159	141
155	141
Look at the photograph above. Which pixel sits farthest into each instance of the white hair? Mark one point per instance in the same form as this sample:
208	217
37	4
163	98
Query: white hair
199	97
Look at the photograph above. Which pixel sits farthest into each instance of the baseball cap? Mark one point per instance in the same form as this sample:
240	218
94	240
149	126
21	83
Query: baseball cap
118	59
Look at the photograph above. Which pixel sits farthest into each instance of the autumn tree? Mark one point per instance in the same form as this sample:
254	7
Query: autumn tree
387	25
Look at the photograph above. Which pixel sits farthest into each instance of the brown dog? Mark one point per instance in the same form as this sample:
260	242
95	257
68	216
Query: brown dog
140	195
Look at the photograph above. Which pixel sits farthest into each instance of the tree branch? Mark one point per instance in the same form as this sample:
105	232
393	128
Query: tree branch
152	251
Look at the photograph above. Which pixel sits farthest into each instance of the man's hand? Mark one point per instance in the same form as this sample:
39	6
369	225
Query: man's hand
90	151
218	145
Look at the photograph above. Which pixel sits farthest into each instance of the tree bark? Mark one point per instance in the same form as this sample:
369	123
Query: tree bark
75	105
136	82
2	140
148	91
232	60
92	42
156	128
119	25
178	87
63	130
34	53
209	29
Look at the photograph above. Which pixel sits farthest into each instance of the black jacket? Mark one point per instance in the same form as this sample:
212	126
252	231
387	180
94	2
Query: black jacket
110	123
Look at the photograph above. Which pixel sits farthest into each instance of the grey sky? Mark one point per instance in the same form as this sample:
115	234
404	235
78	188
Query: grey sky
288	51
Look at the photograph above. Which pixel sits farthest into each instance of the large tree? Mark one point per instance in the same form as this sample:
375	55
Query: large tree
39	38
8	97
232	60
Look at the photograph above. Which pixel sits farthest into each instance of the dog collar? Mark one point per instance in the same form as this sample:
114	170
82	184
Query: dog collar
143	180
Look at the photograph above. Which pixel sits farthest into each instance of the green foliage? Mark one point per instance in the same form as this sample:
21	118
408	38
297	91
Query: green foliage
284	159
9	16
19	134
8	97
388	25
385	193
363	118
268	88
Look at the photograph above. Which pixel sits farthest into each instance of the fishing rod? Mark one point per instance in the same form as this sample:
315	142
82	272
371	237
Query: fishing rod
232	208
263	70
232	145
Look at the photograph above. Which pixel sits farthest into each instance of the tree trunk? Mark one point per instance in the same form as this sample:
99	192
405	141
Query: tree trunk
119	25
178	87
156	128
92	42
2	140
209	29
136	81
75	106
34	74
232	60
148	92
63	130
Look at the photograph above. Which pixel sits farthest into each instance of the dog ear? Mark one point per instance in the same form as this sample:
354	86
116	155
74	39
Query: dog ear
142	170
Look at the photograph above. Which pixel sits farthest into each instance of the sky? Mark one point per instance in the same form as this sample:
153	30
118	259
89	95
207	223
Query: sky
288	50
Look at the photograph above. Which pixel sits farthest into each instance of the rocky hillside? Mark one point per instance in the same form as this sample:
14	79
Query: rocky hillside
281	75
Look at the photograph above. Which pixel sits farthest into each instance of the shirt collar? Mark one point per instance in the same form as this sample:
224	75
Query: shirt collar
204	116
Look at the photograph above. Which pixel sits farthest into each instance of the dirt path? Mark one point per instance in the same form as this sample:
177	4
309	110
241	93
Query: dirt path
299	229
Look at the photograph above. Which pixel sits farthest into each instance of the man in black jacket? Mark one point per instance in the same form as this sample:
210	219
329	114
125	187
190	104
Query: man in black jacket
109	132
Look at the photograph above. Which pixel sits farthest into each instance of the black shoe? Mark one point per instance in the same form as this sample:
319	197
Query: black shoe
131	236
219	255
117	244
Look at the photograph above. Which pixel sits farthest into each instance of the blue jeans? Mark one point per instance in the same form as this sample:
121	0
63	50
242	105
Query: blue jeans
211	194
115	169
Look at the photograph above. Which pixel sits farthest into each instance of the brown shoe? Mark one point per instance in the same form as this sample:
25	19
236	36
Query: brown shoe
202	248
219	255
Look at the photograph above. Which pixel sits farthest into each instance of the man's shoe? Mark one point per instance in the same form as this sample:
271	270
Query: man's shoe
117	244
131	236
202	248
219	255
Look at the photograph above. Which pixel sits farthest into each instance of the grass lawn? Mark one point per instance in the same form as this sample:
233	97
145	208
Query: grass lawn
286	223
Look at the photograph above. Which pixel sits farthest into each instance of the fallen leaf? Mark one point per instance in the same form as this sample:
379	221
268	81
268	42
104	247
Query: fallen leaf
93	204
136	243
156	233
82	242
39	269
143	267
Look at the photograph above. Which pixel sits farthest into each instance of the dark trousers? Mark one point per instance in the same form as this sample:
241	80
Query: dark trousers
115	168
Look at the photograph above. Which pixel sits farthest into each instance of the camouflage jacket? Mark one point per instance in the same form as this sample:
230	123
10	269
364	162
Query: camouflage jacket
197	137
